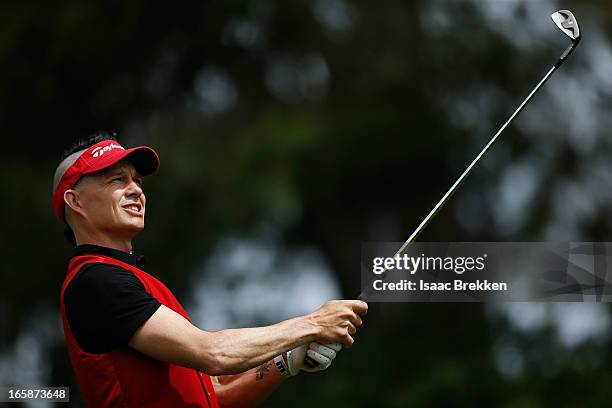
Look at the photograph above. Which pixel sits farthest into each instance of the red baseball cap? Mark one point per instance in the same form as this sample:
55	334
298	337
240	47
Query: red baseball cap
99	157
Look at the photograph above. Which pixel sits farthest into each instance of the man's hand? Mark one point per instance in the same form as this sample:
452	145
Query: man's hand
337	320
323	355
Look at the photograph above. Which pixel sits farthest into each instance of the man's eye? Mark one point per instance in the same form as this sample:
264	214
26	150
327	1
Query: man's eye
138	181
117	179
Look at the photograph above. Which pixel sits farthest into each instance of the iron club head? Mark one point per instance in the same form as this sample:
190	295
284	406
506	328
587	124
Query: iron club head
565	20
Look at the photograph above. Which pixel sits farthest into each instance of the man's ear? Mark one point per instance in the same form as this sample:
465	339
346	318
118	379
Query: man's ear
72	200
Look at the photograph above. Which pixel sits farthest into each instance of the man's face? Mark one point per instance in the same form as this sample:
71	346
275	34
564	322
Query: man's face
113	201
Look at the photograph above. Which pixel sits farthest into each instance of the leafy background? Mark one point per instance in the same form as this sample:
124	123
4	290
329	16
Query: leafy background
289	133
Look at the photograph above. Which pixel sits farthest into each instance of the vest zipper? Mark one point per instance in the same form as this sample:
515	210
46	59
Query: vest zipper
204	389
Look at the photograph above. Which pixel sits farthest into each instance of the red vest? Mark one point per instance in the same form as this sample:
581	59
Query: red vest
125	377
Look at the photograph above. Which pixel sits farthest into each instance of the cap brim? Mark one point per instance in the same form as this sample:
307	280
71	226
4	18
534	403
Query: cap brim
144	159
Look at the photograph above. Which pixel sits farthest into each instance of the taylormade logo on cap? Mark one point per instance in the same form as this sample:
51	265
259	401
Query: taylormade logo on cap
99	151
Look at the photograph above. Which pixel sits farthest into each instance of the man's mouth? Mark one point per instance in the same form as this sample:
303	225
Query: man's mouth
134	209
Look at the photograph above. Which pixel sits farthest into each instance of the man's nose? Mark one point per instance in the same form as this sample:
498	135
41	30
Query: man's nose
134	189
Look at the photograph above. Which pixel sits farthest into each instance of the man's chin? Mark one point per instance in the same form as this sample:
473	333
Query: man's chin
132	228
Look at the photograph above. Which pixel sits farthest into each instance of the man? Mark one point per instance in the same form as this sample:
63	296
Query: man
129	339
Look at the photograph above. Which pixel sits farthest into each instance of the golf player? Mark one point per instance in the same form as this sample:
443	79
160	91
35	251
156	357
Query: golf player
129	340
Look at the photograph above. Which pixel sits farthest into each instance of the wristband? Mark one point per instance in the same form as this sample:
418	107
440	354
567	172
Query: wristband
281	365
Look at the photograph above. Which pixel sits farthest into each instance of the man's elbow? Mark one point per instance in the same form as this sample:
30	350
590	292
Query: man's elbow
213	359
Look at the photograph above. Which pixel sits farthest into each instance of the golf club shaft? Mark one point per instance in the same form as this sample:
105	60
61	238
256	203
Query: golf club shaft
457	183
469	168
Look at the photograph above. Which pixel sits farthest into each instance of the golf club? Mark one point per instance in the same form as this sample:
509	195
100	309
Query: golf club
565	20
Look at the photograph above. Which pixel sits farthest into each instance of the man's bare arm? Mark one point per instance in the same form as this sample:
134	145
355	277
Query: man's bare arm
169	337
247	389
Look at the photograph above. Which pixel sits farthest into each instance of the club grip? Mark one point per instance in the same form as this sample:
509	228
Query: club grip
310	362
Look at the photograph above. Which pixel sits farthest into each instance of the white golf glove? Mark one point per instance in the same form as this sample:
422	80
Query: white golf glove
321	354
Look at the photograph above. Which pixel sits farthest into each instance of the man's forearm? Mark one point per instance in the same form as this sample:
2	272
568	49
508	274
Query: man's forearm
238	350
247	389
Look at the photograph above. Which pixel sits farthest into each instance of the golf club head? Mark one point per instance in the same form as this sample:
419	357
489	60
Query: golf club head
565	20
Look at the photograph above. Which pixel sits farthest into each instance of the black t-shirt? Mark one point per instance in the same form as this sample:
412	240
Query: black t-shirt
106	304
